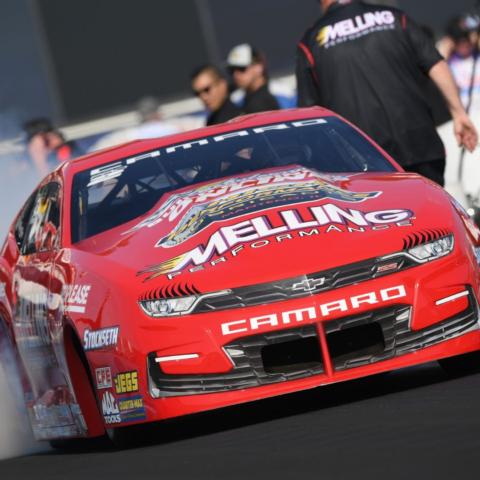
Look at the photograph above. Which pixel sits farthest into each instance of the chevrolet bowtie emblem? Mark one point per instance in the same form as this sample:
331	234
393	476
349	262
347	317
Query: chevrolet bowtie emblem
309	285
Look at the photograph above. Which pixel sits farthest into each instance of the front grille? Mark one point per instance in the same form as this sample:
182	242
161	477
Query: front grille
398	338
258	360
305	285
291	354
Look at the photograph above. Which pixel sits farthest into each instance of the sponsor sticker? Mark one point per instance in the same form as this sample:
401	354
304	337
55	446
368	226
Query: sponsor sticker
104	378
259	232
97	339
110	410
3	293
232	198
356	27
76	297
132	408
126	382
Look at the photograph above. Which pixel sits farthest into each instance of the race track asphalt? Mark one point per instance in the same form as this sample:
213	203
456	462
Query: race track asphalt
412	424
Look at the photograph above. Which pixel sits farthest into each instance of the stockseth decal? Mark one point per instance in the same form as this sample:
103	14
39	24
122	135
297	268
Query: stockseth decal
126	382
313	313
110	410
356	27
319	220
131	408
195	210
76	297
97	339
103	377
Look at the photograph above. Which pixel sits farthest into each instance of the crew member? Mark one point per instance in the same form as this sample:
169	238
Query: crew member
249	72
47	146
368	64
211	86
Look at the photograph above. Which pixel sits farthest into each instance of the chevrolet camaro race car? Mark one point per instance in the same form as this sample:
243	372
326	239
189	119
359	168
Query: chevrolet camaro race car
272	254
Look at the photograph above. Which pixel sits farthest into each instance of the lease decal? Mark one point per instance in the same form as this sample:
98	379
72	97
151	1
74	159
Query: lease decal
76	297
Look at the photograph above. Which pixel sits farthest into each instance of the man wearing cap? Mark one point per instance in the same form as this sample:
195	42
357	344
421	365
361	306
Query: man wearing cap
210	85
369	64
249	72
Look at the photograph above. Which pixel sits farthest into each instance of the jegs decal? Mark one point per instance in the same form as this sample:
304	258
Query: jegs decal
126	382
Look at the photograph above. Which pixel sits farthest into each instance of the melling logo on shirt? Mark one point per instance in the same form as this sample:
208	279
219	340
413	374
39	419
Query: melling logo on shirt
352	28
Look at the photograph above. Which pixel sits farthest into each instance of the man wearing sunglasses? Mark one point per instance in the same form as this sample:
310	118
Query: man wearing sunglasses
209	84
248	69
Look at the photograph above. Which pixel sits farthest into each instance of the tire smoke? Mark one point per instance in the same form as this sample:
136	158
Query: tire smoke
16	437
17	181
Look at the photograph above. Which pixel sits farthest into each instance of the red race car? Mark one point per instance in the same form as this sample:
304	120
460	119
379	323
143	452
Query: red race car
275	253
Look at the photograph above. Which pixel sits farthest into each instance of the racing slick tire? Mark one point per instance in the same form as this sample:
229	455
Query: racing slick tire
462	364
83	386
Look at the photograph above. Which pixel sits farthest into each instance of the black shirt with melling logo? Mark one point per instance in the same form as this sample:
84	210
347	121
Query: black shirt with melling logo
370	64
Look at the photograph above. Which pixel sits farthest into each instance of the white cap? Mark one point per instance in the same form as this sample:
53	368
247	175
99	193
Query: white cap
241	56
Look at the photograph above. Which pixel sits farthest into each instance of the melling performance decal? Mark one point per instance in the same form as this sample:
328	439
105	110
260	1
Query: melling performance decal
229	241
189	213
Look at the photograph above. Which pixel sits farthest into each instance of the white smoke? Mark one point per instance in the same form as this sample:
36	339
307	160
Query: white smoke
16	437
17	181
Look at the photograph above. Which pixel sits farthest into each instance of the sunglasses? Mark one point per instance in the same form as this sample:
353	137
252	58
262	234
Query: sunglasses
237	69
205	90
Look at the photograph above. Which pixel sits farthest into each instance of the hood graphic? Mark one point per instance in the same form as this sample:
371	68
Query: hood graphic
191	212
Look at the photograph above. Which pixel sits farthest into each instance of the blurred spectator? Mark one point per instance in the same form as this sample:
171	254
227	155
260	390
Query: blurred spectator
463	57
368	64
151	125
47	146
210	85
249	71
151	122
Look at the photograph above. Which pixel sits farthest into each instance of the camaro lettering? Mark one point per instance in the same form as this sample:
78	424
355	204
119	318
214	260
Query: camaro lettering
313	313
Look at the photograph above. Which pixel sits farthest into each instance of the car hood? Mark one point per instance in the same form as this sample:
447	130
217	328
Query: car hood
274	224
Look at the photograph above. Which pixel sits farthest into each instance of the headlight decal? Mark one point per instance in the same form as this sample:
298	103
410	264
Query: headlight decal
427	252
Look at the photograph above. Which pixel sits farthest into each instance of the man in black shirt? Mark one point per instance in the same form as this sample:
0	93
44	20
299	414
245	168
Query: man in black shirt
249	72
210	85
368	63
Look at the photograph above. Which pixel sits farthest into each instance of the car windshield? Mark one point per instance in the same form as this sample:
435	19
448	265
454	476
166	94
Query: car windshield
117	192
